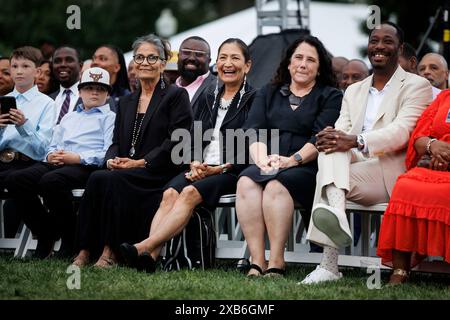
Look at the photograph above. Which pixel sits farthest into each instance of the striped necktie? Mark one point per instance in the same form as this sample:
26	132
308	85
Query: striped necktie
65	106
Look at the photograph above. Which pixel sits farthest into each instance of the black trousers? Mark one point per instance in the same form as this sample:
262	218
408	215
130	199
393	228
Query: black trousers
56	218
118	206
7	168
10	219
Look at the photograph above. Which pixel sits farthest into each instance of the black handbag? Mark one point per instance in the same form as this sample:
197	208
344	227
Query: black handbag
195	247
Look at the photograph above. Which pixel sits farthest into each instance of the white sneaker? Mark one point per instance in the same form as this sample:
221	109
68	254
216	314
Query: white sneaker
332	222
320	275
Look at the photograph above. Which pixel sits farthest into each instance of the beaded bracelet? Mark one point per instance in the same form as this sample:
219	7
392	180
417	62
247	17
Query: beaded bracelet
428	147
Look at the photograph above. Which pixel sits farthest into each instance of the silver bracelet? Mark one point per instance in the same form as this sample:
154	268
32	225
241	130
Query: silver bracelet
428	147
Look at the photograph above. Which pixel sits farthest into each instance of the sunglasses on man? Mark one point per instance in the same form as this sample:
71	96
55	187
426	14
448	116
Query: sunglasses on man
186	53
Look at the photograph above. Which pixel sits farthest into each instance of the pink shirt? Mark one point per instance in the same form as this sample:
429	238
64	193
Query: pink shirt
193	87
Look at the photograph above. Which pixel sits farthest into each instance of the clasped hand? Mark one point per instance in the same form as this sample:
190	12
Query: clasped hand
122	163
201	170
440	155
61	157
330	140
274	162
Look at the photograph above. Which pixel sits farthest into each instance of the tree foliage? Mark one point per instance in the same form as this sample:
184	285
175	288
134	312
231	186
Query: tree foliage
117	22
413	18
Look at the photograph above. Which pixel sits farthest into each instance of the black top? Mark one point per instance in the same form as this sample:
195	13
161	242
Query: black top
208	84
205	119
169	109
271	110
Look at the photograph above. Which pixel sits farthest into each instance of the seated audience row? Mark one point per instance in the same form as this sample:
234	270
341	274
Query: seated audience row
327	149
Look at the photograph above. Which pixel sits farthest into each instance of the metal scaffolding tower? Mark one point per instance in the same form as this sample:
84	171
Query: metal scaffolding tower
294	17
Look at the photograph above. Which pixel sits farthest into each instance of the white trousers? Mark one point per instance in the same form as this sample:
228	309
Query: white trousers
361	178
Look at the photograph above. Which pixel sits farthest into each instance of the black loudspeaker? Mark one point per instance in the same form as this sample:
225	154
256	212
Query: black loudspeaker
267	51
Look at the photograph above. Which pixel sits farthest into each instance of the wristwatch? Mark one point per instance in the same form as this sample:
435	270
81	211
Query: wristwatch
224	168
298	158
360	142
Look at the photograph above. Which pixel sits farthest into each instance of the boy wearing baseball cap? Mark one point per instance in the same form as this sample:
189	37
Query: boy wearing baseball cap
78	147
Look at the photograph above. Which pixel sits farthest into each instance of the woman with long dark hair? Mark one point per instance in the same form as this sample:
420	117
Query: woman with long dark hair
301	101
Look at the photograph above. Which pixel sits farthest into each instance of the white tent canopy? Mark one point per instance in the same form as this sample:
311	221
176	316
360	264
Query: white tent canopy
337	25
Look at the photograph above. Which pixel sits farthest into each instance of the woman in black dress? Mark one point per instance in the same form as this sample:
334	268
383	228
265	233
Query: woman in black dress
207	179
119	203
301	101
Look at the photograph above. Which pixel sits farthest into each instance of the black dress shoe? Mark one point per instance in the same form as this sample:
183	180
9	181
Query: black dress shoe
146	263
65	252
129	254
44	248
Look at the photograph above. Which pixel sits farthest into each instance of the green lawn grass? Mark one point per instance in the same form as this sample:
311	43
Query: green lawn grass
34	279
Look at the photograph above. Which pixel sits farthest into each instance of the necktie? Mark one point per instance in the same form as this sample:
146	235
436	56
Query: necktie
65	106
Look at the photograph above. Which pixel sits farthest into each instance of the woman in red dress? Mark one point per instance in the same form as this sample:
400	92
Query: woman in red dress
417	220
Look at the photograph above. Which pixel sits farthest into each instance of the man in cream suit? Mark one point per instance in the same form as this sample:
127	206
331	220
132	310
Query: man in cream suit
361	158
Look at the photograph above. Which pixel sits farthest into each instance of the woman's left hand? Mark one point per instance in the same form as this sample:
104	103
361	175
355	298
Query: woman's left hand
438	164
441	151
125	163
212	171
197	172
208	171
287	162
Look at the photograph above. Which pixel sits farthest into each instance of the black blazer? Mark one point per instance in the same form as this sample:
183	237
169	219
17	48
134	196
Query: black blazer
169	110
207	84
234	119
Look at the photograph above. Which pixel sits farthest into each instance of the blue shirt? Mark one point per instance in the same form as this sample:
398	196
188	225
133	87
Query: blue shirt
87	133
33	137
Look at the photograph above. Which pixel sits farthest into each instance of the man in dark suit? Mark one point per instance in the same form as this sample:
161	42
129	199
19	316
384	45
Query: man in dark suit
66	69
194	58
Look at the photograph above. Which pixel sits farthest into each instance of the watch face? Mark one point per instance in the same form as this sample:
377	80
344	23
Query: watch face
360	142
298	157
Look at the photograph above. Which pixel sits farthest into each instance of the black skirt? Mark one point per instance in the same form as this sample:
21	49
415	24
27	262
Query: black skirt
118	206
299	181
210	188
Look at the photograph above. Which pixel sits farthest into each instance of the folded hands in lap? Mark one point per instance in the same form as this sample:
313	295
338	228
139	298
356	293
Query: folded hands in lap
330	140
201	170
61	157
123	163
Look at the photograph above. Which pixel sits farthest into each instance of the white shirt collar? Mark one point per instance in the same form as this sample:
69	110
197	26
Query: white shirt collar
73	88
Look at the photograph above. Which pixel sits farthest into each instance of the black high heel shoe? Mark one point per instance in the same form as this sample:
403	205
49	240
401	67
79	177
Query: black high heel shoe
130	254
146	263
141	262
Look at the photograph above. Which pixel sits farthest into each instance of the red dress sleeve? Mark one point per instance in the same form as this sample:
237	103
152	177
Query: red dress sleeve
423	127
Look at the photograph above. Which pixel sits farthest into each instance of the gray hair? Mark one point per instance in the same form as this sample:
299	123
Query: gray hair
163	46
437	56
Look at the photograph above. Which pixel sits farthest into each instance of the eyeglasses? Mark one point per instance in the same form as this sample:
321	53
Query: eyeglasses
151	59
186	53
